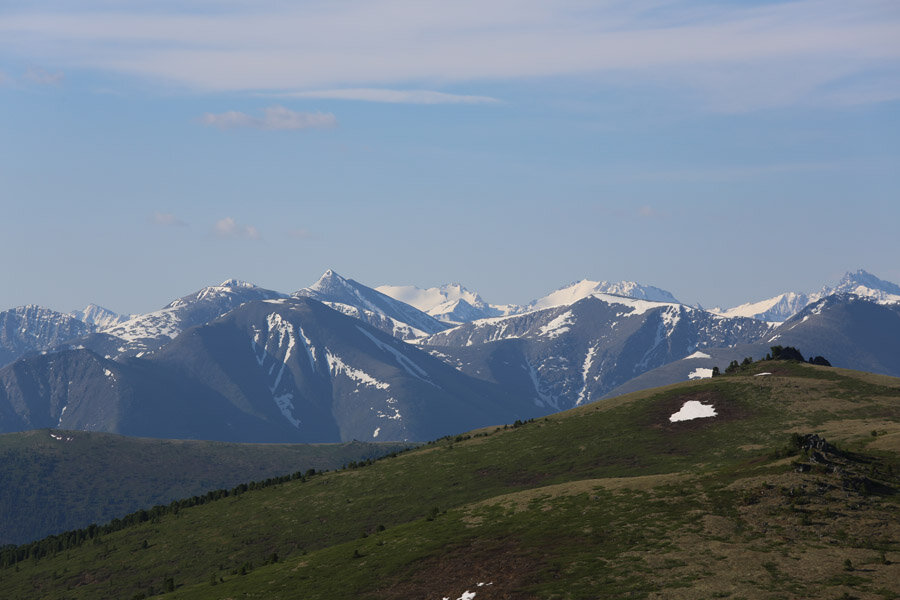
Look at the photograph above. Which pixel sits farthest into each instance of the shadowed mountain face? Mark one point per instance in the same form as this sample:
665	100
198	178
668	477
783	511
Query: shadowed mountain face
568	355
28	329
240	363
850	331
79	477
357	300
276	370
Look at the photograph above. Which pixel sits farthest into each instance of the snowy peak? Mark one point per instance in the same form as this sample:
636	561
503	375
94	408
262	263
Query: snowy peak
98	316
582	289
34	328
863	283
331	288
228	289
236	283
147	332
784	306
329	282
774	310
450	303
428	298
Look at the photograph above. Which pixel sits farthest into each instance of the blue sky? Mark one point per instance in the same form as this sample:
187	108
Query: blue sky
725	151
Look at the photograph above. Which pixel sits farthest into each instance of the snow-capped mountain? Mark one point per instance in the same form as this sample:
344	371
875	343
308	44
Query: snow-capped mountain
450	303
238	362
282	370
353	298
453	303
582	289
99	317
774	310
149	332
850	331
864	284
35	329
568	355
783	306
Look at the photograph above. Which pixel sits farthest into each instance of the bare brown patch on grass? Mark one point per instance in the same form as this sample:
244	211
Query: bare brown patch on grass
519	501
501	564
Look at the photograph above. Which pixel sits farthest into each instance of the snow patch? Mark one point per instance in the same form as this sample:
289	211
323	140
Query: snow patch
700	373
698	354
692	409
392	405
336	365
376	432
585	368
761	374
408	365
310	349
557	326
543	398
287	408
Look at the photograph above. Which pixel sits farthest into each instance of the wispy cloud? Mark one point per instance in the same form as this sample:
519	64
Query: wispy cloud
300	234
167	220
275	118
393	96
648	212
733	56
229	228
41	77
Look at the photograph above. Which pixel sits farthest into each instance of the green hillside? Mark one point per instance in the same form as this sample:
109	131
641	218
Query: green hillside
53	480
610	500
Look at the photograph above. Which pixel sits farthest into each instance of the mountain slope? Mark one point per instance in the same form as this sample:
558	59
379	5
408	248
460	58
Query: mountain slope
31	328
99	317
569	355
57	480
609	500
784	306
333	289
149	332
850	331
325	376
285	370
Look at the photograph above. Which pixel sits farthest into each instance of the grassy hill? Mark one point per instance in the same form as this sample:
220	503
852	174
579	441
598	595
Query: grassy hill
53	480
607	500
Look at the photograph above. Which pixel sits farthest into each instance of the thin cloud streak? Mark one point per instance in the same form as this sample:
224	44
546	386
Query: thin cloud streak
275	118
41	77
736	57
392	96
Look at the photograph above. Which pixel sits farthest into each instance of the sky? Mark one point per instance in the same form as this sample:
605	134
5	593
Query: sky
725	151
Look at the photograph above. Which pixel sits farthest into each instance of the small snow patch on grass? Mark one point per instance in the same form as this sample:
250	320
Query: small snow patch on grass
700	373
698	354
761	374
692	409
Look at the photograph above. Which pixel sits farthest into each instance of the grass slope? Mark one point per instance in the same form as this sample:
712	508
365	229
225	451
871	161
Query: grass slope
53	481
607	500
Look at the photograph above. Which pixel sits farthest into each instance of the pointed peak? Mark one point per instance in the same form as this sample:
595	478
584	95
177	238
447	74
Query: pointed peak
863	278
328	277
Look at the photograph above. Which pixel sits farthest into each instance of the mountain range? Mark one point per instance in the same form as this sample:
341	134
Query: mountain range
338	360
